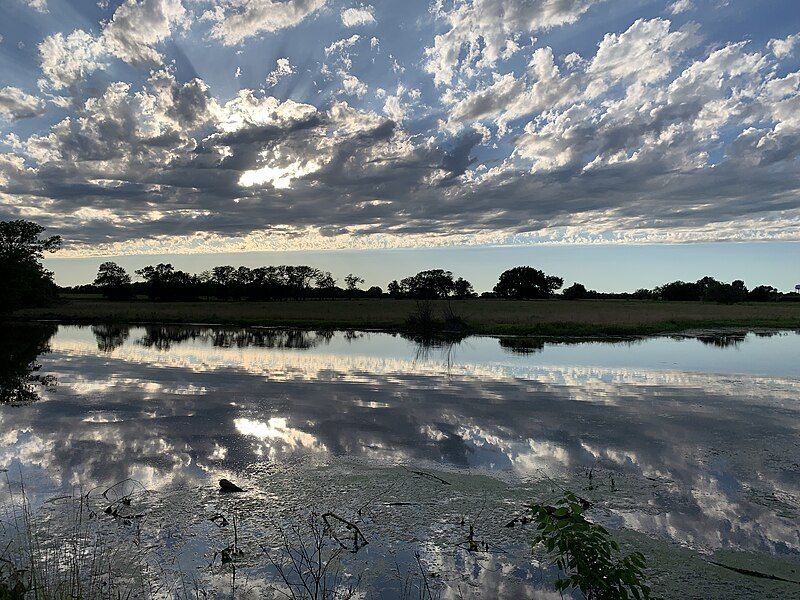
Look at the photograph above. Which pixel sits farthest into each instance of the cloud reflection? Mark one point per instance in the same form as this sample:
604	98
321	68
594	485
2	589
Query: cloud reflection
685	449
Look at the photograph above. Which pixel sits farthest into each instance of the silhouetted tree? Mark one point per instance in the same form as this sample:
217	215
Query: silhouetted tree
526	283
164	282
113	281
463	289
434	283
763	293
299	279
352	282
25	281
644	294
707	288
577	291
725	293
374	292
394	289
326	283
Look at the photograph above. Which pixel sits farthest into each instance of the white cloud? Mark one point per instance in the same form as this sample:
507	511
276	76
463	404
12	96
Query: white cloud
508	97
236	20
341	45
282	69
353	85
136	26
37	5
248	110
67	60
481	32
646	51
16	104
354	17
394	109
785	47
680	6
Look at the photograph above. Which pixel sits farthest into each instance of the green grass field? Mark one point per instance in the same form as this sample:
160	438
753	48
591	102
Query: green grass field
538	317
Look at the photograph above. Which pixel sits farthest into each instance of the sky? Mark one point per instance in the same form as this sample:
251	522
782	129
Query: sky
620	143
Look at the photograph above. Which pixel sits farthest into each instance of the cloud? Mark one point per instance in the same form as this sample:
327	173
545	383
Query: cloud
135	27
481	32
37	5
654	132
236	20
680	6
138	25
354	17
282	69
785	47
67	60
16	104
341	45
646	51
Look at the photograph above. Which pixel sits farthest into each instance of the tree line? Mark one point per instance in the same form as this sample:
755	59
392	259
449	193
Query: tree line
164	282
28	283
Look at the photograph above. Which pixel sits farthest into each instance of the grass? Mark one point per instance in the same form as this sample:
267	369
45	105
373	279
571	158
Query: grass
539	317
62	554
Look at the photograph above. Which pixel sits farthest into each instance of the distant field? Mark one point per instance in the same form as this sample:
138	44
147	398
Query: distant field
544	317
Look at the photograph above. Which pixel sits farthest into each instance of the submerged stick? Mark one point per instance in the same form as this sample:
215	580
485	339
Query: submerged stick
750	573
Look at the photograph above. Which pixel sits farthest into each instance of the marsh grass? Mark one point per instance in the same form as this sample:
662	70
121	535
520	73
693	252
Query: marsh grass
59	551
536	317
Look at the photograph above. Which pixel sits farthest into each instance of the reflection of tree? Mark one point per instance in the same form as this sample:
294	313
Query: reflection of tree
163	337
19	347
522	345
110	337
532	345
446	342
722	340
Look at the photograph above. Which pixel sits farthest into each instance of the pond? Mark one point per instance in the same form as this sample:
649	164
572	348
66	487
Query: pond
687	447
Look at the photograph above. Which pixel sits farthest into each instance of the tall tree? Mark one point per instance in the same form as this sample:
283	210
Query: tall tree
25	281
352	282
526	283
326	282
113	281
434	283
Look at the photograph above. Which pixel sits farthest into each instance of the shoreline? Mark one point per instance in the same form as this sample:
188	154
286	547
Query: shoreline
537	318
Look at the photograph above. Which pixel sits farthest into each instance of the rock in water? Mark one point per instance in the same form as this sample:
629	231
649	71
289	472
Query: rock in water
228	486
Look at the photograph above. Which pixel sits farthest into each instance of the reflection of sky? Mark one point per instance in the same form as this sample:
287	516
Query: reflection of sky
686	448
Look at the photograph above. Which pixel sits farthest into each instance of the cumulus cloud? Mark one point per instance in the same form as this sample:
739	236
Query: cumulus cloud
135	27
16	104
138	25
481	32
236	20
282	69
37	5
784	47
353	17
66	60
646	51
654	132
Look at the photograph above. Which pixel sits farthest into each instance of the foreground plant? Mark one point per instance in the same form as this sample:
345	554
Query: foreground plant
588	557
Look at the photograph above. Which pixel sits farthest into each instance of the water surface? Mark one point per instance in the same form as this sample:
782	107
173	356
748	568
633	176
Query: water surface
688	446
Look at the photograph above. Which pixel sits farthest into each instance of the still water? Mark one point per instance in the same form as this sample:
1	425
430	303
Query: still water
687	446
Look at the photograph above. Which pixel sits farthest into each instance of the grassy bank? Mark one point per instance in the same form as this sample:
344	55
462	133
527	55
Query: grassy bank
539	317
